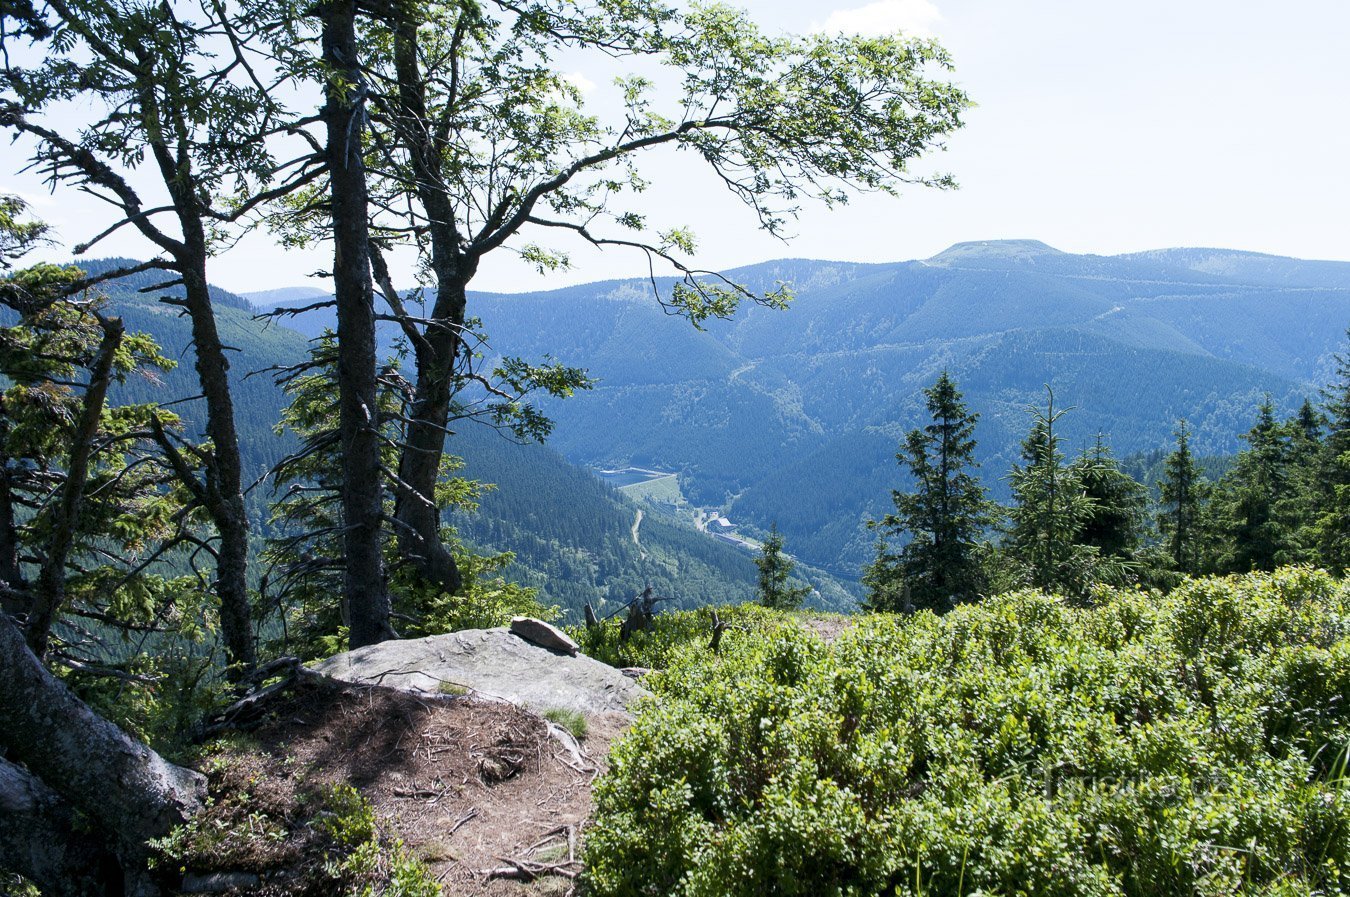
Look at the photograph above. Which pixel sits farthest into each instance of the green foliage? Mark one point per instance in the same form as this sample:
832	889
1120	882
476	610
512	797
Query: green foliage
304	554
674	634
1183	492
944	516
330	843
1072	525
1186	745
1252	530
100	547
347	817
1330	528
774	569
364	866
1116	519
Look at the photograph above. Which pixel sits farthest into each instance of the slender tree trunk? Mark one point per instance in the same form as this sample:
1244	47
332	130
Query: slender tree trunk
364	592
10	574
49	592
128	792
224	473
417	515
40	838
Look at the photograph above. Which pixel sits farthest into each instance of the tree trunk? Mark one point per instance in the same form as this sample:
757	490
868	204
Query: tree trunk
40	840
126	790
10	574
49	592
224	473
364	592
417	515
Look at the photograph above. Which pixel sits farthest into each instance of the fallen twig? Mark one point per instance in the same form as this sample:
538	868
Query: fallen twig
525	870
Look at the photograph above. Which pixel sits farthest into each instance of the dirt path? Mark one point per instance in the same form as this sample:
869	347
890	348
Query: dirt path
637	524
469	787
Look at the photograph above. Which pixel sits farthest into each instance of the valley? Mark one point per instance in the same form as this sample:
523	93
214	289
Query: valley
793	418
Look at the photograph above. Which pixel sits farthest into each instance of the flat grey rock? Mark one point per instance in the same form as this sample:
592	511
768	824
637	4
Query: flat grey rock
493	663
544	635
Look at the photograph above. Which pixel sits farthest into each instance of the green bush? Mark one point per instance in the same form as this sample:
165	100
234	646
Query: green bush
678	633
1192	744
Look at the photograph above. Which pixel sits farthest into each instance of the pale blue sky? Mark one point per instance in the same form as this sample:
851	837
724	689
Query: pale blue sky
1102	127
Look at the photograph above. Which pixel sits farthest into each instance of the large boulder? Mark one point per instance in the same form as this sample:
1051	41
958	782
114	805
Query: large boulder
545	635
492	663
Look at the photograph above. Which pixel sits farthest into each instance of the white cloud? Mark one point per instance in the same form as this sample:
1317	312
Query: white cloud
579	81
916	18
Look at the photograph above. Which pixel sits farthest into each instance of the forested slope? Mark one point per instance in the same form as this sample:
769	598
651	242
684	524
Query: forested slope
795	416
571	533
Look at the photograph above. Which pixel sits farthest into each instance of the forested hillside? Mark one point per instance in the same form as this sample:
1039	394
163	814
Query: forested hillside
795	417
1058	680
570	533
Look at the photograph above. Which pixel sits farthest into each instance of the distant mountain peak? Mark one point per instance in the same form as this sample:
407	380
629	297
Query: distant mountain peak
975	250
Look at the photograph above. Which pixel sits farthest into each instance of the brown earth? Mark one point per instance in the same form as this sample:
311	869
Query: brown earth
474	789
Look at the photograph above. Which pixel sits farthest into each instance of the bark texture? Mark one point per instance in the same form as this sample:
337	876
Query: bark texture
364	592
224	488
129	792
40	841
439	344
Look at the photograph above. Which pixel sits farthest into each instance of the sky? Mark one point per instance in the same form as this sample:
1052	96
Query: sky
1101	127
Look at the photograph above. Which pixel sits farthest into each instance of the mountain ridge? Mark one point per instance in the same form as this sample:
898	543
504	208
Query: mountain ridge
751	408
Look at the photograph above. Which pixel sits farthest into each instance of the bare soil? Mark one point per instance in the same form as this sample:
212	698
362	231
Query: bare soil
472	788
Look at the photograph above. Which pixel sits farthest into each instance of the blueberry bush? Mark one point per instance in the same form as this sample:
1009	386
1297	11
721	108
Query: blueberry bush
1193	744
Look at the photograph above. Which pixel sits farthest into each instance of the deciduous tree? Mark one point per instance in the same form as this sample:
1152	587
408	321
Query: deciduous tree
486	142
162	101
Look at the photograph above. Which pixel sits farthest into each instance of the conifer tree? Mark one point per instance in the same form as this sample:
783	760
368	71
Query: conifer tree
1183	492
1049	511
303	557
1251	532
1115	522
774	569
1330	534
943	517
1296	508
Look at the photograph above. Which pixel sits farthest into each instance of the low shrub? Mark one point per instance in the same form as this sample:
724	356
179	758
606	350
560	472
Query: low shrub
678	633
1186	745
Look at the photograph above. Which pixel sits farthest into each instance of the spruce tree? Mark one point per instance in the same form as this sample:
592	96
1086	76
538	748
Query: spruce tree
1330	534
774	569
1253	536
1183	492
1049	511
1296	508
943	516
1115	521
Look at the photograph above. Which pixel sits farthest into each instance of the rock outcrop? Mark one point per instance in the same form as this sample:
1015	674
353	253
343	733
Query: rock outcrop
491	663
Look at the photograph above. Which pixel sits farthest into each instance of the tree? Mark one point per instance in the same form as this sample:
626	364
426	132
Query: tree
201	123
1331	527
774	569
1050	508
304	564
87	503
944	517
1183	492
76	761
86	799
365	595
483	139
1115	521
1252	534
